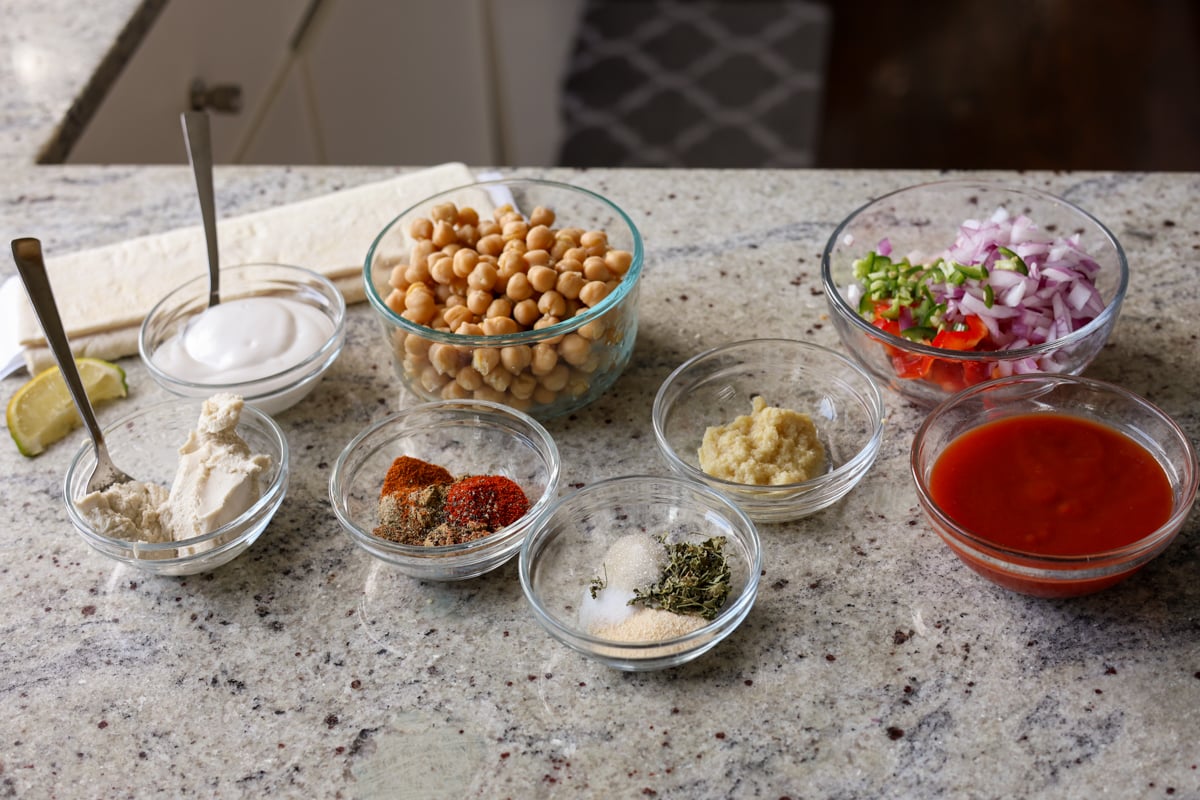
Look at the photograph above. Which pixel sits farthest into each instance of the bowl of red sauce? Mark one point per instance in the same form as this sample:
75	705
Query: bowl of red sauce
1053	485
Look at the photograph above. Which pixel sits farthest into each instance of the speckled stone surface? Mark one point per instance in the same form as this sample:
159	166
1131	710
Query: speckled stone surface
874	664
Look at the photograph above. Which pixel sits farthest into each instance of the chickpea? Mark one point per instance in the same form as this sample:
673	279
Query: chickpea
482	277
541	216
539	237
574	349
500	326
569	265
543	359
478	301
454	391
618	261
593	292
395	301
468	216
441	271
457	315
488	227
498	379
502	210
469	329
596	269
536	258
516	358
468	235
569	284
518	289
561	246
444	212
431	380
523	386
417	346
577	254
485	359
500	307
420	251
525	312
593	330
464	262
556	379
543	396
515	229
542	279
443	358
490	244
551	304
488	393
397	279
469	378
444	233
510	263
421	228
572	234
594	239
417	273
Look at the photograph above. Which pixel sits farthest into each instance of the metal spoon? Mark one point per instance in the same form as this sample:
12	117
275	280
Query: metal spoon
28	255
199	144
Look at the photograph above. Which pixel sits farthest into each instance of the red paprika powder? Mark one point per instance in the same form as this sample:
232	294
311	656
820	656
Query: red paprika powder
492	500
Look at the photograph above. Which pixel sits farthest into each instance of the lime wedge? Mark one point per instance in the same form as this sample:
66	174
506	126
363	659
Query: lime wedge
41	412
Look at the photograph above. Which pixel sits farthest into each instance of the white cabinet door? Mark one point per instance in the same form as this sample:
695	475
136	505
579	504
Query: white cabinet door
219	41
404	83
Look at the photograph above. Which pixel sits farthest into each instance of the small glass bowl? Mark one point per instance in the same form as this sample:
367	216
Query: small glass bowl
272	393
922	221
566	552
146	445
718	385
547	372
1118	408
466	437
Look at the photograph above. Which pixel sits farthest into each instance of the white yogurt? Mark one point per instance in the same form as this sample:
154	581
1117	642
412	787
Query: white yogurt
244	340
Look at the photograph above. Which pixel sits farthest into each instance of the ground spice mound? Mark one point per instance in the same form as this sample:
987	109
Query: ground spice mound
422	504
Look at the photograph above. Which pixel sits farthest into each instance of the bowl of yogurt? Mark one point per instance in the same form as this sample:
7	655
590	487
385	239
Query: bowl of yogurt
208	478
273	335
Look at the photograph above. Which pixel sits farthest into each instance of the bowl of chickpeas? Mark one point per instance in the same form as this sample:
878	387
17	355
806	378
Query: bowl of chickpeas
516	291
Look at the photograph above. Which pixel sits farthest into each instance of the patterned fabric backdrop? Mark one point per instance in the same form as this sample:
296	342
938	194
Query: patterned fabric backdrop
670	83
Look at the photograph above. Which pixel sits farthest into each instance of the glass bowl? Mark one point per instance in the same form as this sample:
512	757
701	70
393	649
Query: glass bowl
719	385
466	437
566	553
1055	575
921	222
277	390
531	342
146	445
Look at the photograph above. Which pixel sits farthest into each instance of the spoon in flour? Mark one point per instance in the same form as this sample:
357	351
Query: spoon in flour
28	255
199	144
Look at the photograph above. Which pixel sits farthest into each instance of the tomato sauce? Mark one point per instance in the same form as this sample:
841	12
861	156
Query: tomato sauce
1051	484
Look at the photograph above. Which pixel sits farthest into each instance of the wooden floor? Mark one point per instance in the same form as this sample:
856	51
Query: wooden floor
1017	84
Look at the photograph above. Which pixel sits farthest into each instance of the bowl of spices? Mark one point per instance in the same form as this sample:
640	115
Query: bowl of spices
1053	485
642	572
521	292
446	490
275	332
784	428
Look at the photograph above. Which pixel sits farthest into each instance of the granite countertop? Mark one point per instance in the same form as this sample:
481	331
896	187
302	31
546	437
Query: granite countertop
874	664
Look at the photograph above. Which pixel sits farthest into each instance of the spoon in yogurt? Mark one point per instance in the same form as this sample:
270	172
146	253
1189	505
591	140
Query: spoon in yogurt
27	253
199	144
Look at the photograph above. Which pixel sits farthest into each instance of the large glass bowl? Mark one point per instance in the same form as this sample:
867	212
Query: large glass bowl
922	221
548	371
1030	572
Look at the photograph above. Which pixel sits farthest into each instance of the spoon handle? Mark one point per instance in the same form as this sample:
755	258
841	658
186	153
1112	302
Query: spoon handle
27	253
199	143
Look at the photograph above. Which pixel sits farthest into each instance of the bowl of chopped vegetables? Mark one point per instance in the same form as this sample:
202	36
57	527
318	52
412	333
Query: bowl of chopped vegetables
642	572
1085	482
446	490
944	285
